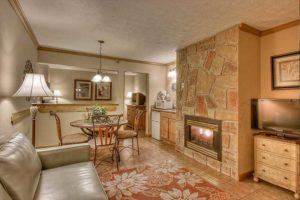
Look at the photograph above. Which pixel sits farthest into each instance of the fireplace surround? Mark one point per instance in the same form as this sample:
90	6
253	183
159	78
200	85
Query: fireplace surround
204	135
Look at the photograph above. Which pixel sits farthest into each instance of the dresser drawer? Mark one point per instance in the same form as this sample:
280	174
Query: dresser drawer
279	176
277	147
278	162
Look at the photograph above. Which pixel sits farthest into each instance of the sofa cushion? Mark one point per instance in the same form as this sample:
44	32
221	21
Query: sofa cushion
77	181
20	166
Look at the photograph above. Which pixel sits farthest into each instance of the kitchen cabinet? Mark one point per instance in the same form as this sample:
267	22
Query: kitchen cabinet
168	126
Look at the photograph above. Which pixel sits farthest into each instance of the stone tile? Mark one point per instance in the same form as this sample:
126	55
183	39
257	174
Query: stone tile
229	52
217	65
225	140
215	164
229	69
229	126
226	115
218	94
202	110
226	81
205	82
210	57
232	99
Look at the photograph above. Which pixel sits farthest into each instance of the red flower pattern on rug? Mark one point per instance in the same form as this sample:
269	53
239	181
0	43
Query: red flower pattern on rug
165	181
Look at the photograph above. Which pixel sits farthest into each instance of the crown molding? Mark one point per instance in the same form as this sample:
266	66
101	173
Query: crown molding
250	29
81	53
280	27
170	63
20	13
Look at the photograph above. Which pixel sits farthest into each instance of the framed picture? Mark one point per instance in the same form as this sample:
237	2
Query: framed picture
83	90
103	91
286	71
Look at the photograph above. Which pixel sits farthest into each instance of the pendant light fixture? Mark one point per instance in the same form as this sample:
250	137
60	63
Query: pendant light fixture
98	77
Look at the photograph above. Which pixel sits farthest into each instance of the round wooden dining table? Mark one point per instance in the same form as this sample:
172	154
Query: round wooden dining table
86	125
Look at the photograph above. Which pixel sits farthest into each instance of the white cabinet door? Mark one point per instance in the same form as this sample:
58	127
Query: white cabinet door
155	116
156	130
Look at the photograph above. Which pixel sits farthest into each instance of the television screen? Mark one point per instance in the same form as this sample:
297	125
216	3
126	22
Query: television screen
281	115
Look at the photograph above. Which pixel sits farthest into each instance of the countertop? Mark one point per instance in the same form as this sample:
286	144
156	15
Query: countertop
164	110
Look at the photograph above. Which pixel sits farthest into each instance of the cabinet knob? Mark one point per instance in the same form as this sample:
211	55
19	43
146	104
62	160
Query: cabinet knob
286	150
285	178
264	170
263	145
286	164
263	157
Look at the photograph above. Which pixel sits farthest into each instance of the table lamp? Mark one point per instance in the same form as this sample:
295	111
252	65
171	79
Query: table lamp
56	94
34	85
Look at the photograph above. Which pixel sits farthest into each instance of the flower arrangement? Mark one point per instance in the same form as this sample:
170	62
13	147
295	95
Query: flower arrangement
98	110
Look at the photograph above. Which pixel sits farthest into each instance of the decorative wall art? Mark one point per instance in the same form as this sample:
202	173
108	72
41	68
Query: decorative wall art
83	90
103	91
286	71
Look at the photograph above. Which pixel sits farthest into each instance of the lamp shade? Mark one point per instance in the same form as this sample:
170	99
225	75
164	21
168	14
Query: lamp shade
106	79
97	78
57	93
129	95
34	85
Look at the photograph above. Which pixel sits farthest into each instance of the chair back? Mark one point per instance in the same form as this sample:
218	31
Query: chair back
105	129
58	127
89	111
137	120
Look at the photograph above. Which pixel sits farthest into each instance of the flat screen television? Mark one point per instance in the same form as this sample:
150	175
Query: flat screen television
281	116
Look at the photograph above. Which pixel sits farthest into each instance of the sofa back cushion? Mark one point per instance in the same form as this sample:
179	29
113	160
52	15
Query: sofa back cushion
20	166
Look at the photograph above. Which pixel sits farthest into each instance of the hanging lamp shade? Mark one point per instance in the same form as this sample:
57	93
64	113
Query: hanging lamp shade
97	78
106	79
34	85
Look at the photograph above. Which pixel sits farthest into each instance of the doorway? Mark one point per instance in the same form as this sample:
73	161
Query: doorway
136	98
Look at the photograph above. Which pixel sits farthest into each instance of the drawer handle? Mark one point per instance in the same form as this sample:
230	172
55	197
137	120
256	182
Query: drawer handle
263	145
264	170
263	157
286	178
286	150
286	164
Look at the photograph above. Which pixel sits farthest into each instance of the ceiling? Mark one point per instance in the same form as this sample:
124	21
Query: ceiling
149	30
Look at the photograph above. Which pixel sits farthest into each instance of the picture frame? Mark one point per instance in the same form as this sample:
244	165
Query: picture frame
286	71
103	91
83	89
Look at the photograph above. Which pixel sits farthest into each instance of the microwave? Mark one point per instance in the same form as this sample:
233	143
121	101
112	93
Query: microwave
163	104
138	99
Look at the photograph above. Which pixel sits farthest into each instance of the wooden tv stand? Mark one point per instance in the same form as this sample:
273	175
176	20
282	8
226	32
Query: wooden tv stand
277	160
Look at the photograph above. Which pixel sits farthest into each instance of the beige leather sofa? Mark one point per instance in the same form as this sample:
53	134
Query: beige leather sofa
56	173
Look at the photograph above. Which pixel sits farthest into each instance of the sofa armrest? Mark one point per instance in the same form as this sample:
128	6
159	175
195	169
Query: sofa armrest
52	157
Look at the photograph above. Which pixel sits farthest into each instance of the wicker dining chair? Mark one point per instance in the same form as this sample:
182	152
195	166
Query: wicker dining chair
74	138
104	136
131	134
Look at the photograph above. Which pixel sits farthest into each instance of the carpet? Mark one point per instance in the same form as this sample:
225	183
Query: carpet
164	180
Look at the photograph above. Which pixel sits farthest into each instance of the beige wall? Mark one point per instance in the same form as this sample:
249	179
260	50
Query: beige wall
63	80
280	42
140	83
15	48
248	87
46	135
169	82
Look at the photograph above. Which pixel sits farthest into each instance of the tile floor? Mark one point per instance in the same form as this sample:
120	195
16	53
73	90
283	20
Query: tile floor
152	151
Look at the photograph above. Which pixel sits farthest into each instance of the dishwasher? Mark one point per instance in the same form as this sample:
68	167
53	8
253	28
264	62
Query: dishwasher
155	125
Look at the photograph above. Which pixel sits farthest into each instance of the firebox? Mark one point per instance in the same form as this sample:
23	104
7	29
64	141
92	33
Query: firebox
204	136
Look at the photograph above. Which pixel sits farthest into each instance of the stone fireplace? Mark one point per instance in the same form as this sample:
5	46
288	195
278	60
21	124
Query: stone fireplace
204	136
216	79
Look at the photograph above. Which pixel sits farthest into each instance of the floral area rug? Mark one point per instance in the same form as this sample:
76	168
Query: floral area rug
165	181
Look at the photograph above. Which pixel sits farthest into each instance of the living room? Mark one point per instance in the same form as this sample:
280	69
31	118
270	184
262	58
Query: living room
125	100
